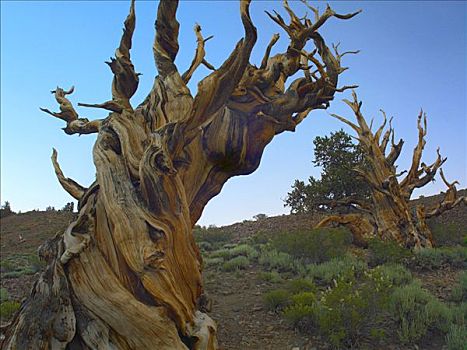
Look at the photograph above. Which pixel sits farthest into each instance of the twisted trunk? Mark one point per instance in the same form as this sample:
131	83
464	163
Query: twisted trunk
387	214
126	274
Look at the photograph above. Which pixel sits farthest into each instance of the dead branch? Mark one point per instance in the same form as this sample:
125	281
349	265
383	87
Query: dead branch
70	185
199	55
75	125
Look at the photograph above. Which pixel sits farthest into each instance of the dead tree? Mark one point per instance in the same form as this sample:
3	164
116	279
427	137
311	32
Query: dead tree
388	214
126	274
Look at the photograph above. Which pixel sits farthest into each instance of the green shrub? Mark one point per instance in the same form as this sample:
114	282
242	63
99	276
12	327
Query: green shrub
383	252
276	299
416	311
270	276
280	261
6	266
300	285
245	250
205	246
459	292
7	309
336	268
314	246
304	298
434	258
450	234
237	263
223	253
208	262
3	295
396	273
346	310
299	313
215	236
456	339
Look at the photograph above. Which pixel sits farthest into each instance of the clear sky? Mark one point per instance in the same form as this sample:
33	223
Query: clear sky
413	55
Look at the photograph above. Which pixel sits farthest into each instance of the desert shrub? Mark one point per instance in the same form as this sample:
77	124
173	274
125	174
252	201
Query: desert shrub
208	262
345	311
270	276
223	253
205	246
456	338
383	252
396	273
7	309
3	295
280	261
237	263
459	292
300	285
245	250
304	298
276	299
217	237
434	258
314	246
336	268
416	311
6	266
450	234
21	264
298	314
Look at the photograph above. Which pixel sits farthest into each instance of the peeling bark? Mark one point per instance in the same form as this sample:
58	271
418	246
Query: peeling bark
388	210
126	274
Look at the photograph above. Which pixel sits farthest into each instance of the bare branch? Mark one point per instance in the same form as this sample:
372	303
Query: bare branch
272	42
216	88
70	185
75	125
126	80
165	46
109	105
199	55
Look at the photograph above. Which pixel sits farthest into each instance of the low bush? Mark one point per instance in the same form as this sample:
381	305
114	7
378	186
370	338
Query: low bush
215	236
300	285
270	276
416	311
313	246
280	261
456	338
7	309
384	252
276	299
3	295
397	274
336	268
245	250
223	253
299	315
208	262
459	292
435	258
450	234
205	246
238	263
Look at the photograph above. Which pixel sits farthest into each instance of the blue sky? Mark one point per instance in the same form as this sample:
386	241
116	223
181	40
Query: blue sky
413	55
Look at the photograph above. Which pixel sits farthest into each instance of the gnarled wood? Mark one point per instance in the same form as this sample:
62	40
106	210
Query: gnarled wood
126	274
389	210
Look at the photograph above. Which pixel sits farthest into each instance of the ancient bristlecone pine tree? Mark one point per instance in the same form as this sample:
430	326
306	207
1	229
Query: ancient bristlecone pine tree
387	214
126	274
